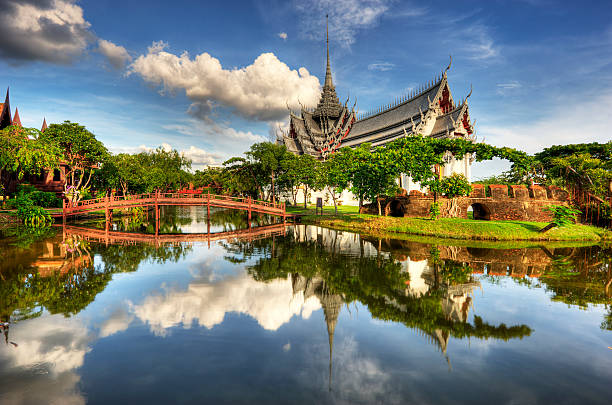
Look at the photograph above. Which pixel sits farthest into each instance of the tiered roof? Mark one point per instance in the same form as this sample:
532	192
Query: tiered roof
429	112
5	115
5	112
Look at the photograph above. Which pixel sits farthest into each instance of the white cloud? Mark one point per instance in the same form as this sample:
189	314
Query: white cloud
588	121
50	348
116	55
382	66
282	35
346	17
200	158
259	91
117	322
271	304
478	42
48	30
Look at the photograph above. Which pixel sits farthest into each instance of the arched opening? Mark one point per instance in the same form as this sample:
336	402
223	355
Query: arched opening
395	209
481	212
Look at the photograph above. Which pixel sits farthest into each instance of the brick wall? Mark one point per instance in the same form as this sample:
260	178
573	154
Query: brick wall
515	202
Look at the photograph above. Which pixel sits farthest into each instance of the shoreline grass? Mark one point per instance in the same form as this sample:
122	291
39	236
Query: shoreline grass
450	228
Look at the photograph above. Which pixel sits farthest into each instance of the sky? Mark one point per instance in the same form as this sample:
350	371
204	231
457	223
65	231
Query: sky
211	78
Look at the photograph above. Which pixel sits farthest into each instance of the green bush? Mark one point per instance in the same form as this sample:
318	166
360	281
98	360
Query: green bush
32	215
562	215
45	199
434	210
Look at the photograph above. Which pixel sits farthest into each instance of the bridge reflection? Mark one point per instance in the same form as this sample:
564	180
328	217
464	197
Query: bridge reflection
107	236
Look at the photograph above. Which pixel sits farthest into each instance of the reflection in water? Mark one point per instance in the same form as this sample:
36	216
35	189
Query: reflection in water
48	281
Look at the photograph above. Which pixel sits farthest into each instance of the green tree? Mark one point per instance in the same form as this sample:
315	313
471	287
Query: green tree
264	163
163	170
334	174
453	186
23	152
82	154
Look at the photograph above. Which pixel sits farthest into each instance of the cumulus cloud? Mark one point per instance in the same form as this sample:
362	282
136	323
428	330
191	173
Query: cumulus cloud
271	304
346	17
199	157
47	30
117	55
282	35
259	91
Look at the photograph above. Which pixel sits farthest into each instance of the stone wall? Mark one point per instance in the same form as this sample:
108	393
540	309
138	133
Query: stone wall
516	202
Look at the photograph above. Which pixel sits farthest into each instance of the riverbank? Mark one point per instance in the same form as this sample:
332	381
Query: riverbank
453	228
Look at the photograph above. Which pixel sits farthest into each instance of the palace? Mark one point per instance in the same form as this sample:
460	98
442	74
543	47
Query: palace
48	180
430	111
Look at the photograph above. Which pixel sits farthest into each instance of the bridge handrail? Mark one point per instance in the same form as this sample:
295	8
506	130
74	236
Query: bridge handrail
104	201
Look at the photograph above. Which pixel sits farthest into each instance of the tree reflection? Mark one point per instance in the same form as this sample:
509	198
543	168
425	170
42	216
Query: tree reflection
321	266
59	274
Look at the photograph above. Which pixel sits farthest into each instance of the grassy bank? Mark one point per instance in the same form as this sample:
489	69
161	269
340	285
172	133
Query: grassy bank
452	228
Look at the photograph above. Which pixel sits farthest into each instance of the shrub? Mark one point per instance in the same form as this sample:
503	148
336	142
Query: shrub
434	210
562	215
32	215
45	199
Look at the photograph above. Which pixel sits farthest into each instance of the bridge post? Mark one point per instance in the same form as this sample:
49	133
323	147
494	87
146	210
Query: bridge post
249	211
156	213
208	204
63	211
106	210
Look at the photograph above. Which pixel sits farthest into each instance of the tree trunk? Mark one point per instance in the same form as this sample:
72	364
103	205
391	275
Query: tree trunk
379	208
547	228
305	197
273	192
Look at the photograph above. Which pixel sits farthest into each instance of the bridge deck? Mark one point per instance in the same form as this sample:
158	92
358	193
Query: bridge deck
188	199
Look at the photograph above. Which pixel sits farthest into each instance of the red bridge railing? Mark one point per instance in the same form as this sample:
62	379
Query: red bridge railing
156	199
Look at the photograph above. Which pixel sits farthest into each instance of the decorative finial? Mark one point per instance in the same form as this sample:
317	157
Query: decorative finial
449	63
470	93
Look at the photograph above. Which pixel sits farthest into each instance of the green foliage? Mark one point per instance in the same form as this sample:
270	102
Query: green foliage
144	172
82	153
455	185
434	210
23	151
562	215
262	172
32	215
45	199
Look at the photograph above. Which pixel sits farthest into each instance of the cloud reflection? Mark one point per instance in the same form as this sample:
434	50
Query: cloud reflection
271	304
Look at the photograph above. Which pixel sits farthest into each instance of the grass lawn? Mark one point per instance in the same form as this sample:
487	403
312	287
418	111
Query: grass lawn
453	228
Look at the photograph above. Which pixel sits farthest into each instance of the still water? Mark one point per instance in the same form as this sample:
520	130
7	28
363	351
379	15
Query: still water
297	314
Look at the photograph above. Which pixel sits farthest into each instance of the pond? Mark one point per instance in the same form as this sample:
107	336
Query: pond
296	314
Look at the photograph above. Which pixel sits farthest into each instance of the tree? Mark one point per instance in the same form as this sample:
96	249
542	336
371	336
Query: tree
22	152
334	175
122	171
82	154
299	171
373	173
307	172
163	169
264	163
453	186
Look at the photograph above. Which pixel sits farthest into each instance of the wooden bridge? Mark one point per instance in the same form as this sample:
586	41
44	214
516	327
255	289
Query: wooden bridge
129	238
158	199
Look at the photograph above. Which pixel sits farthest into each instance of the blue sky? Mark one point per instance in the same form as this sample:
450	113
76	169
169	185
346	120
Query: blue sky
210	78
